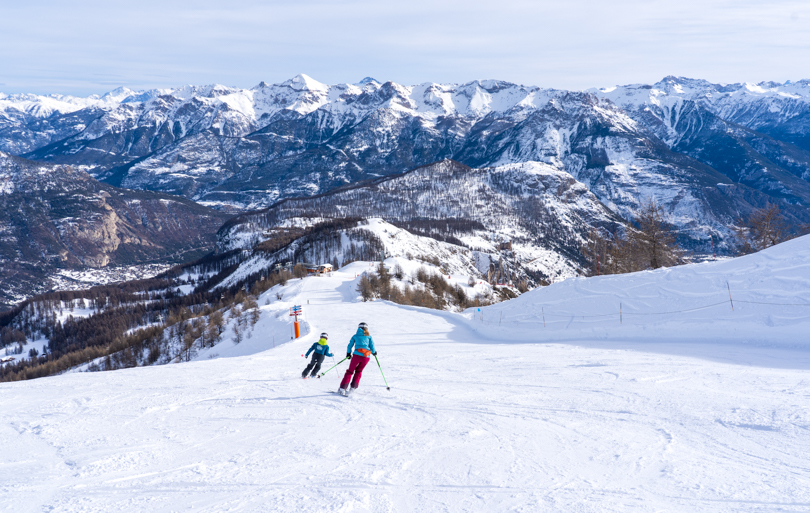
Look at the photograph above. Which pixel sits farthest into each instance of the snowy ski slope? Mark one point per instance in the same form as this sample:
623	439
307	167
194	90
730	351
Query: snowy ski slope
759	299
577	417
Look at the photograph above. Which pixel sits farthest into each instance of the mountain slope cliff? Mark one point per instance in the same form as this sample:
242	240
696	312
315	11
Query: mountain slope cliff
58	217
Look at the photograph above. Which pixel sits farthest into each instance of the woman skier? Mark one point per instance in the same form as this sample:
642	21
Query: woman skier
363	350
321	350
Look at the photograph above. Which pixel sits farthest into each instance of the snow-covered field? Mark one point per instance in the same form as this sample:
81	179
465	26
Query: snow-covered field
761	299
682	414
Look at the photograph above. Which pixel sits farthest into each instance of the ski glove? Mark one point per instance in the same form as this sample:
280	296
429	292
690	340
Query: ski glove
348	355
375	354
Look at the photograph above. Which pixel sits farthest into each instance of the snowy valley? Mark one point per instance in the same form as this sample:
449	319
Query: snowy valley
59	226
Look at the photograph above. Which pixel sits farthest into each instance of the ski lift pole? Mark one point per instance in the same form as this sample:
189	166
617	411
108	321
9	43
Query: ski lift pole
381	372
332	367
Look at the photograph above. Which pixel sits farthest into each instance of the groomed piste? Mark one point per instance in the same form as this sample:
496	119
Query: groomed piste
643	392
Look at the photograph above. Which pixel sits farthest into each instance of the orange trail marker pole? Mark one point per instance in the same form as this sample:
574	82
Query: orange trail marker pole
296	311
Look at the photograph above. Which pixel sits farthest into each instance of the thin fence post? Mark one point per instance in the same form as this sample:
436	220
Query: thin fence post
544	316
729	296
621	320
500	319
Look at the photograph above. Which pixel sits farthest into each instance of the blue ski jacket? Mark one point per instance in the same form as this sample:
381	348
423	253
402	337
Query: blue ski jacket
320	347
363	345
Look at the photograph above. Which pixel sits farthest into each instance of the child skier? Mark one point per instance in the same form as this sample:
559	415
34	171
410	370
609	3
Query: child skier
321	350
363	350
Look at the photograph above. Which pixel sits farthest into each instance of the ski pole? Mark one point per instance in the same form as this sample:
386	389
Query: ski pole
330	368
381	372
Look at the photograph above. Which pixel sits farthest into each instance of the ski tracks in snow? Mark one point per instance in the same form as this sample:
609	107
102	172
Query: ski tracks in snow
468	425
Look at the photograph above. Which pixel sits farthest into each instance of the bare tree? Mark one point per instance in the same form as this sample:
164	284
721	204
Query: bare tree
765	227
597	249
243	317
192	333
255	314
608	254
384	285
213	333
365	289
649	245
236	313
202	329
216	320
654	241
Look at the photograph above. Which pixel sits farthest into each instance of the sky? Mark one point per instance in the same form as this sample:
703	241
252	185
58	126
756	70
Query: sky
91	47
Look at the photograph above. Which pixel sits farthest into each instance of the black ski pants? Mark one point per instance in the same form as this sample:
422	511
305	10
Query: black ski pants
314	364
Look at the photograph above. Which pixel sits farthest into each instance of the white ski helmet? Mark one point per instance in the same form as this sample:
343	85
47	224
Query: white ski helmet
324	335
363	325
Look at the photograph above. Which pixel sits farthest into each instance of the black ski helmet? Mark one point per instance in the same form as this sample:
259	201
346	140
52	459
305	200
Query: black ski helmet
363	325
324	335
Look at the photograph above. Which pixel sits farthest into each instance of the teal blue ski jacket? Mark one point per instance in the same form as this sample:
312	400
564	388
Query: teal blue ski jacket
363	345
320	348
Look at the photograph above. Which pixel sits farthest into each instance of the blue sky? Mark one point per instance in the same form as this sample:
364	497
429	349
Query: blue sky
92	46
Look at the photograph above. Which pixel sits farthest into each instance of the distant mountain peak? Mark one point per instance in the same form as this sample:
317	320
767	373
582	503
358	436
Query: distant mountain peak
303	82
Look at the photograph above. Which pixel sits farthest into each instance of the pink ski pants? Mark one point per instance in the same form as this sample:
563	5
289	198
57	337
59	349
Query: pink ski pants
356	366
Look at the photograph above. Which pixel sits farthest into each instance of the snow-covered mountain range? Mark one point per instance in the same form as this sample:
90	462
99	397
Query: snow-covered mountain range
708	151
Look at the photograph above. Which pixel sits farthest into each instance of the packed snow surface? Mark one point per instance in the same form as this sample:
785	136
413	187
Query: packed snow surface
762	298
703	410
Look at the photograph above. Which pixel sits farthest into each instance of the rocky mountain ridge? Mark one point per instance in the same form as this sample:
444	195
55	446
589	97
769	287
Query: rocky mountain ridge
757	135
542	214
